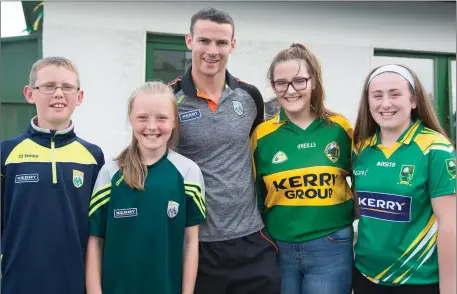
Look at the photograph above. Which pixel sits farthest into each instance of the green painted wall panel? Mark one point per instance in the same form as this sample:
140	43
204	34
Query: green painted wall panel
15	118
18	54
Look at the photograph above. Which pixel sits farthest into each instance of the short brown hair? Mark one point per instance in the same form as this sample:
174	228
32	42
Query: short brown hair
52	60
214	15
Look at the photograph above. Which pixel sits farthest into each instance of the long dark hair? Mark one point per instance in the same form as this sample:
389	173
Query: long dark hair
365	126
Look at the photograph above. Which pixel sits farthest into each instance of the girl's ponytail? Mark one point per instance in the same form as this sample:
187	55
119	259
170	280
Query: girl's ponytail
133	169
134	172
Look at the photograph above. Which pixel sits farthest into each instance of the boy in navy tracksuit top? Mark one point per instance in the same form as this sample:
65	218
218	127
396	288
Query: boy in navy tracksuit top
47	176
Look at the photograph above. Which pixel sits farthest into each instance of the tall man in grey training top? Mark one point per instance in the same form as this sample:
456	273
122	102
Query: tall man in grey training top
218	113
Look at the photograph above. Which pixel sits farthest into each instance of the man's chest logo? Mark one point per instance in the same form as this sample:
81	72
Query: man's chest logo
238	107
190	115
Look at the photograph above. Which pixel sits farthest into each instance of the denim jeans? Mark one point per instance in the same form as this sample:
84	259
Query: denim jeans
320	266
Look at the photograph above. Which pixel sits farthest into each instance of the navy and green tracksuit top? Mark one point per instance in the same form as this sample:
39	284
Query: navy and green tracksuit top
46	182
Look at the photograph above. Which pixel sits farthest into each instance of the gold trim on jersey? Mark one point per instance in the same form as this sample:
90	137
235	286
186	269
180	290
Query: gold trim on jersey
266	128
344	123
29	151
193	190
365	144
408	136
102	193
426	241
261	131
311	186
428	140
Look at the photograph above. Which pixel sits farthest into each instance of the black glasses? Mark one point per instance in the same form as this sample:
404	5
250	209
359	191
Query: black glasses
49	89
299	84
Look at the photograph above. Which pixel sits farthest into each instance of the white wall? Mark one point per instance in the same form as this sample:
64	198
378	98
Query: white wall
107	42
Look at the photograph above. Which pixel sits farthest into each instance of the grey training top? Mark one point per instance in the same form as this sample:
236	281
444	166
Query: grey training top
217	139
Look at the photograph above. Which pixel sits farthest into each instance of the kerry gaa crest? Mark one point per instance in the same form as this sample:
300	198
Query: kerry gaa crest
332	151
450	166
172	209
238	107
406	174
78	178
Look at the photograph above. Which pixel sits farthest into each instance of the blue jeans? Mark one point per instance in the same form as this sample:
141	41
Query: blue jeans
320	266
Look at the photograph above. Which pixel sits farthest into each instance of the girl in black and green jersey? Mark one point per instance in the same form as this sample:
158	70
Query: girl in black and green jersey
405	179
146	207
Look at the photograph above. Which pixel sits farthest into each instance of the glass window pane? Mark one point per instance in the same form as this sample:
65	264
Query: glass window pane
169	64
424	68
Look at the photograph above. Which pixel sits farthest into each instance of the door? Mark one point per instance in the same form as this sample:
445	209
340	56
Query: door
18	55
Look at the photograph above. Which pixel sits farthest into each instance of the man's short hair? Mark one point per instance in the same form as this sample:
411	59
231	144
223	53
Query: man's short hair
212	14
52	60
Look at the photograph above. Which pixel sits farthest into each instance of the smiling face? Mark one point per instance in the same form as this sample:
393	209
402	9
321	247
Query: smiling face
296	97
391	102
211	44
152	119
54	109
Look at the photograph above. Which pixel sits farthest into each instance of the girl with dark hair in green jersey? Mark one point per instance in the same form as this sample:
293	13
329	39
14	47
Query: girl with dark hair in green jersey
405	179
301	163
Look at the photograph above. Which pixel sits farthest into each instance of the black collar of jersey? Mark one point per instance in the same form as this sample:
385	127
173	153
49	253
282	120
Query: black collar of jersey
44	136
188	87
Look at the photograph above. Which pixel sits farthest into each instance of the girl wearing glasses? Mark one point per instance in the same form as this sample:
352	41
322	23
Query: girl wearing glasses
302	158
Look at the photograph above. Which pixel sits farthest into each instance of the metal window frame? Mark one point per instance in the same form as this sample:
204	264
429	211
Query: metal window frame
159	41
442	80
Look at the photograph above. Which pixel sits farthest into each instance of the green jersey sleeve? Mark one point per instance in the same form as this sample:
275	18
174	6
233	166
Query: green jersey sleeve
98	207
194	187
441	170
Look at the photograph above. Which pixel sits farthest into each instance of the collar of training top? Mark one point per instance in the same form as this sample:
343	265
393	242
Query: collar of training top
44	136
187	84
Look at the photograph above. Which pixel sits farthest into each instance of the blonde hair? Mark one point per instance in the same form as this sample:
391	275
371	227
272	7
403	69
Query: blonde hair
130	162
52	60
301	52
365	126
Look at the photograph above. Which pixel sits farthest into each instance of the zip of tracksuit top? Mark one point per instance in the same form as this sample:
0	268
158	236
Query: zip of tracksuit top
47	179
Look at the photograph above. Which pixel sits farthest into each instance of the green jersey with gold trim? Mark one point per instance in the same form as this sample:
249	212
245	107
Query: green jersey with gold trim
143	231
301	177
397	230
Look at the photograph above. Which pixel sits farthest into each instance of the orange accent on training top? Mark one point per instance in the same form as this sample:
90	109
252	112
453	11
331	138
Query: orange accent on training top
212	104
